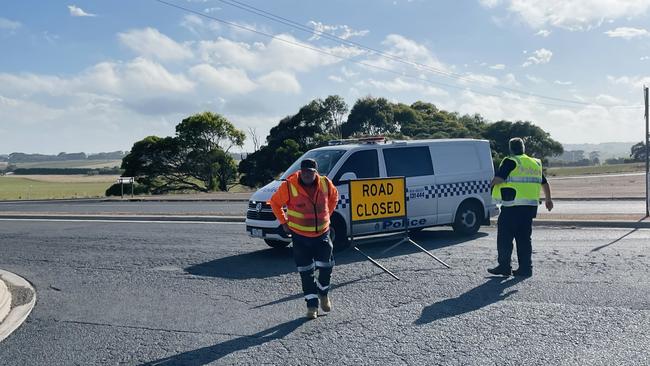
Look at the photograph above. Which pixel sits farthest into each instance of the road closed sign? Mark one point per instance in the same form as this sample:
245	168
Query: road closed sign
375	199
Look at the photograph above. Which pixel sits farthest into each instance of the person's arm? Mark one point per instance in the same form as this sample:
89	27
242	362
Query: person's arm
496	181
507	165
547	194
333	198
279	200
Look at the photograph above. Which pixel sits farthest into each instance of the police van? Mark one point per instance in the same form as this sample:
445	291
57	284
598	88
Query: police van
447	183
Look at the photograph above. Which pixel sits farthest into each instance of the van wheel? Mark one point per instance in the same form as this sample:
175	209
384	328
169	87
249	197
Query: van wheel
276	243
468	218
338	234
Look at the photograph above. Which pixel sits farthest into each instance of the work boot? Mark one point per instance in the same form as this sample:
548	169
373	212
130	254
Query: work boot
521	272
312	313
500	271
325	303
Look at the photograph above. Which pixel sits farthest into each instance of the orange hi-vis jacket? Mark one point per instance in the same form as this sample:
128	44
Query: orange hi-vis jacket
306	216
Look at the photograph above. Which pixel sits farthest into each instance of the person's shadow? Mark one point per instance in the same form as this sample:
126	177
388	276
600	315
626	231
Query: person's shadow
205	355
488	293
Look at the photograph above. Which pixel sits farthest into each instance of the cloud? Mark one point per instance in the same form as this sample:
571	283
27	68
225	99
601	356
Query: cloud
78	12
150	42
558	82
644	58
535	79
341	31
281	53
599	124
8	24
225	80
541	56
197	24
399	85
498	67
543	33
632	82
401	47
627	33
490	3
280	81
575	15
336	79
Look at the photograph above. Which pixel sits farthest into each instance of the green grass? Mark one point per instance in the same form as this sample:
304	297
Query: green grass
16	188
72	164
600	169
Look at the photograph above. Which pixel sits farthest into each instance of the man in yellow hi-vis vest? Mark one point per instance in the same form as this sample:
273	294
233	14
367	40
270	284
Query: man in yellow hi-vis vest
516	186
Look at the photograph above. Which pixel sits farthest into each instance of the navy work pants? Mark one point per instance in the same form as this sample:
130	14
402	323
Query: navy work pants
310	254
515	223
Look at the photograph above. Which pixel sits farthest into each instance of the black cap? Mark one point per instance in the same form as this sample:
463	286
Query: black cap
309	164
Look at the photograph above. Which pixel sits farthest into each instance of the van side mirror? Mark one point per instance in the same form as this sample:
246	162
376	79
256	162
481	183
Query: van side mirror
348	176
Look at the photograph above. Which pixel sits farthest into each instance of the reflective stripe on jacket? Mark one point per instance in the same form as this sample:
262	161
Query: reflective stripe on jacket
525	179
307	216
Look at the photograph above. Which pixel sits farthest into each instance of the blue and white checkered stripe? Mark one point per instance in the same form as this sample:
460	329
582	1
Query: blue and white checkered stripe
344	202
461	188
436	191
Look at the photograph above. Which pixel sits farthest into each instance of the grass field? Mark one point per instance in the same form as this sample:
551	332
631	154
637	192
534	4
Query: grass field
72	164
53	186
600	169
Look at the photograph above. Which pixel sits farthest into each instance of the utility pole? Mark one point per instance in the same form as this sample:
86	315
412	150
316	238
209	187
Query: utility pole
647	161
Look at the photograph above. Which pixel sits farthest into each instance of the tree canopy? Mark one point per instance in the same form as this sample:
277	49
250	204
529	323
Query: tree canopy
196	158
321	120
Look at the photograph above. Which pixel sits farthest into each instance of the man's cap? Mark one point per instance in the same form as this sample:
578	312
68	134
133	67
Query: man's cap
309	164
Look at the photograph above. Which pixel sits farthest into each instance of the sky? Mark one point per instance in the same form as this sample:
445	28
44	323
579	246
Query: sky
98	76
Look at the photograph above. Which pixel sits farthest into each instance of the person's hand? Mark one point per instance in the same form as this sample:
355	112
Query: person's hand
286	229
549	205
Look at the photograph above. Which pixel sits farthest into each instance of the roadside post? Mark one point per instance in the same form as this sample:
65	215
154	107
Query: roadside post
123	180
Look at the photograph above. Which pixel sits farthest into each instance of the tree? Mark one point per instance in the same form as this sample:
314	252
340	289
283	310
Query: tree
195	159
252	132
637	152
538	142
336	109
313	125
594	157
370	116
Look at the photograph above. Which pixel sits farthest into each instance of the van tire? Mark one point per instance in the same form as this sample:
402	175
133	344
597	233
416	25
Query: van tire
468	218
276	243
338	234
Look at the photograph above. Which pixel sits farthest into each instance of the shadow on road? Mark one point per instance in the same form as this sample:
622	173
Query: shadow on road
275	262
206	355
474	299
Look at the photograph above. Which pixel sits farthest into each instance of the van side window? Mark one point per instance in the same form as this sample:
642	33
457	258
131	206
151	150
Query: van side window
408	161
365	164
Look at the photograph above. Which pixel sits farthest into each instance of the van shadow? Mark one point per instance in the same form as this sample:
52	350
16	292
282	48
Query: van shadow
273	262
487	293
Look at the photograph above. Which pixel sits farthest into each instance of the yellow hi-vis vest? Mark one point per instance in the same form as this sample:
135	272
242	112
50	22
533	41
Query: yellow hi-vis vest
525	179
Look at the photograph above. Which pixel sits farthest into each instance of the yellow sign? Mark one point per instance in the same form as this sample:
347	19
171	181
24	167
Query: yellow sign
372	199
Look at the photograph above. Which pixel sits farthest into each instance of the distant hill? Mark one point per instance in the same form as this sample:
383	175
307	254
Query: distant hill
607	150
17	157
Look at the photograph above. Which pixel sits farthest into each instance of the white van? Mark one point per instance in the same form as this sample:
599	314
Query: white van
447	183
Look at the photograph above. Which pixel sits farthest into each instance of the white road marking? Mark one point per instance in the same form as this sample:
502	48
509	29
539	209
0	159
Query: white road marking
127	221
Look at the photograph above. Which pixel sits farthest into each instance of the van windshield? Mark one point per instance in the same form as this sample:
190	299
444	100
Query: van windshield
326	159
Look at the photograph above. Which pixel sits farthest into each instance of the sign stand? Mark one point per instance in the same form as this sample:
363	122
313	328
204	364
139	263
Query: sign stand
407	239
377	200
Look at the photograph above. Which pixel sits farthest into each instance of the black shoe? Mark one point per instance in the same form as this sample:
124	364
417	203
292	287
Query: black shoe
500	271
519	272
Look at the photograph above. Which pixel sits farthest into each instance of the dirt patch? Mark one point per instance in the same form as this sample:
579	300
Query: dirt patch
598	187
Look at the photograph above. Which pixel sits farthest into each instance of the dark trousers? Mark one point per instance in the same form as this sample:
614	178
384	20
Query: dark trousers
515	223
309	254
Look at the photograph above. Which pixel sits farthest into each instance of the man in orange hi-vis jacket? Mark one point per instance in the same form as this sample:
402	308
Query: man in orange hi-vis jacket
310	201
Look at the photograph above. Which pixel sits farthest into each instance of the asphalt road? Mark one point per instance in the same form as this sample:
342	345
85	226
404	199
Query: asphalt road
195	294
239	208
